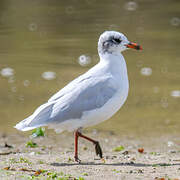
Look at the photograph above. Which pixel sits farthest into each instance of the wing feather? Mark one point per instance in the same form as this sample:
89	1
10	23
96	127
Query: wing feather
71	102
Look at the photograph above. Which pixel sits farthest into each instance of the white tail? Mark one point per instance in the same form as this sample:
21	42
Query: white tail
37	119
23	126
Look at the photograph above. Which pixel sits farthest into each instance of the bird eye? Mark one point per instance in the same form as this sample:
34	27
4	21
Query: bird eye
117	40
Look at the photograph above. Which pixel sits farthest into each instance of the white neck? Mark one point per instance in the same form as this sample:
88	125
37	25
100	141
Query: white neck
115	62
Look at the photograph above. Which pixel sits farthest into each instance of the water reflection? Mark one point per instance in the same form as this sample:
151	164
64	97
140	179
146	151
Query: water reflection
48	75
146	71
33	27
84	60
131	6
26	83
175	21
7	72
175	93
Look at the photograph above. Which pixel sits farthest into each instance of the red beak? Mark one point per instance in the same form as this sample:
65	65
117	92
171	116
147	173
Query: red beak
134	46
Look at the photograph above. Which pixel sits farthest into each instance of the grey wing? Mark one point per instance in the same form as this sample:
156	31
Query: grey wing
86	95
89	96
69	87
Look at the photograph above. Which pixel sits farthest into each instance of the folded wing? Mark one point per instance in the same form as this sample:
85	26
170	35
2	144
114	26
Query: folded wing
85	95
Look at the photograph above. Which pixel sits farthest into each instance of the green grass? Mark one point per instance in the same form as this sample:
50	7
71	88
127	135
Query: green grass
20	160
153	153
38	132
40	174
84	174
119	148
24	160
31	144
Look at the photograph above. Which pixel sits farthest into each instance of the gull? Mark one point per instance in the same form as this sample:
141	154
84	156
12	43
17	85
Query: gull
92	97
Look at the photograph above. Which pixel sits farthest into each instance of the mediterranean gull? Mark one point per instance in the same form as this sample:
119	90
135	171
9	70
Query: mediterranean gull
92	97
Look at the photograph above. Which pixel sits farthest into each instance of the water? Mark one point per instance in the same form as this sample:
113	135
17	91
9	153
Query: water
46	44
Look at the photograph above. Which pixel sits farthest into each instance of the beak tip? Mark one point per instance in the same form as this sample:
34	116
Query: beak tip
134	46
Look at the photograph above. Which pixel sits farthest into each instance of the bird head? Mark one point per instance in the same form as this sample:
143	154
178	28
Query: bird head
114	43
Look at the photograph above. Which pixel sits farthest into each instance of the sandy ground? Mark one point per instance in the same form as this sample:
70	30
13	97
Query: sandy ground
159	157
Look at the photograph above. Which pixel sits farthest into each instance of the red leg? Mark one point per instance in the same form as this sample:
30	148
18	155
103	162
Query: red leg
76	147
87	138
96	143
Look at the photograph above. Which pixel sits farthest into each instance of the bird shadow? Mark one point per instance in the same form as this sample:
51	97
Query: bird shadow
115	164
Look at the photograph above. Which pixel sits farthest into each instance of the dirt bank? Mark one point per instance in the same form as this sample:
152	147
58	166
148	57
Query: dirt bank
124	157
